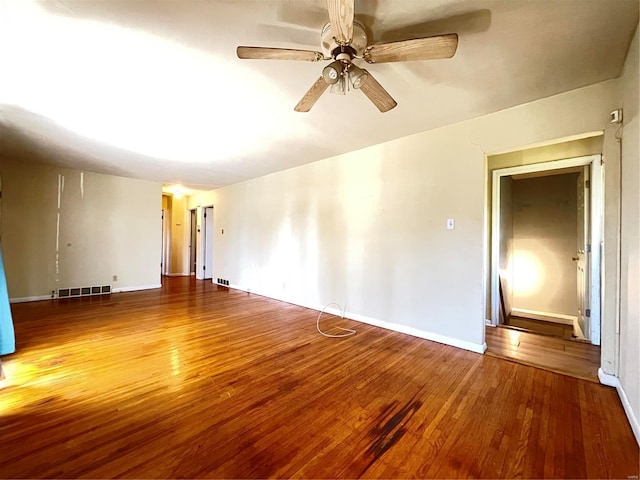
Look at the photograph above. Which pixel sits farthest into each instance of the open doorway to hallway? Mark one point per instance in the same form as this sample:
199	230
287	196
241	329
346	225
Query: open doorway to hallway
193	241
545	272
207	243
542	255
544	259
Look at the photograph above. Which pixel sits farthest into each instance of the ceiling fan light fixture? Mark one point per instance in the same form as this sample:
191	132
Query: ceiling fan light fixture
344	40
333	72
357	76
341	86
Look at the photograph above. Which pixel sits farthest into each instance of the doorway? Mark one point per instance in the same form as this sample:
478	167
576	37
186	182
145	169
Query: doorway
207	243
165	260
193	240
546	243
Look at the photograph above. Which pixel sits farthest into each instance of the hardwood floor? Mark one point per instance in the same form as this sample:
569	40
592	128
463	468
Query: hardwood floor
569	357
198	381
560	330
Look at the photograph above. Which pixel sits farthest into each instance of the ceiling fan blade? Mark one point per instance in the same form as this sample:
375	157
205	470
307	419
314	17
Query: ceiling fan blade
429	48
312	96
377	94
341	18
264	53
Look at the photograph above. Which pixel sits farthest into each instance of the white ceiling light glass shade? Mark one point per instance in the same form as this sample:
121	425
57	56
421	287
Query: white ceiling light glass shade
357	76
332	72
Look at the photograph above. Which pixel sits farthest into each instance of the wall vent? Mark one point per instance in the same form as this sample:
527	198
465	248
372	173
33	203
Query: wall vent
222	281
75	292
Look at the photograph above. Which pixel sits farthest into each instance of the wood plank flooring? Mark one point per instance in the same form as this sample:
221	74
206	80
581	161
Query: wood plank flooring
541	326
569	357
198	381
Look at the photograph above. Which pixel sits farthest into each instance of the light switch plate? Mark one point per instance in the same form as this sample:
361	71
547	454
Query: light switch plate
451	224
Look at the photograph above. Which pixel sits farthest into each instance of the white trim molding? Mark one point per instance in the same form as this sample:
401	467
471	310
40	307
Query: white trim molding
396	327
613	381
38	298
35	298
597	207
136	288
545	316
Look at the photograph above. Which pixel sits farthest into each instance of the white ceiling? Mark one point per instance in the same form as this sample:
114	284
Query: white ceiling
152	89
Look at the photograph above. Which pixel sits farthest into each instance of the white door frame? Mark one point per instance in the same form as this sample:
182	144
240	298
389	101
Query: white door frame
596	238
202	240
207	242
194	230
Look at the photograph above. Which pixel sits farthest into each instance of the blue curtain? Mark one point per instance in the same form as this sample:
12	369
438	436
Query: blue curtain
7	335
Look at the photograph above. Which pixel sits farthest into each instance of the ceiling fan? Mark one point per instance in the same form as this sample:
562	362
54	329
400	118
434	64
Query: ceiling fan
344	40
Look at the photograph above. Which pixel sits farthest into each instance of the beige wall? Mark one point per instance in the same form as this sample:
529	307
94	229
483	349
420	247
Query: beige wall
629	368
65	228
368	229
544	240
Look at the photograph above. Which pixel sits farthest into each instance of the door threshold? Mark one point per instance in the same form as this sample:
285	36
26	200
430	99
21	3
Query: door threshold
547	352
541	327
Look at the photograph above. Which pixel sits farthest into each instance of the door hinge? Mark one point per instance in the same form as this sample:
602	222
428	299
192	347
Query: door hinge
587	184
205	214
587	313
204	267
587	248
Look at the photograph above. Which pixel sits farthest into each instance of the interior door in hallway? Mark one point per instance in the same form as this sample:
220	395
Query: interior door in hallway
192	242
207	243
583	252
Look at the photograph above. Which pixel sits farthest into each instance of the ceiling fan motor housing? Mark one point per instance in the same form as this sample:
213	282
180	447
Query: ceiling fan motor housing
357	45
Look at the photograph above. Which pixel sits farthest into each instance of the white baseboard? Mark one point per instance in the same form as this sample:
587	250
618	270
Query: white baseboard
613	381
177	274
546	316
434	337
396	327
133	289
608	379
38	298
35	298
577	330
